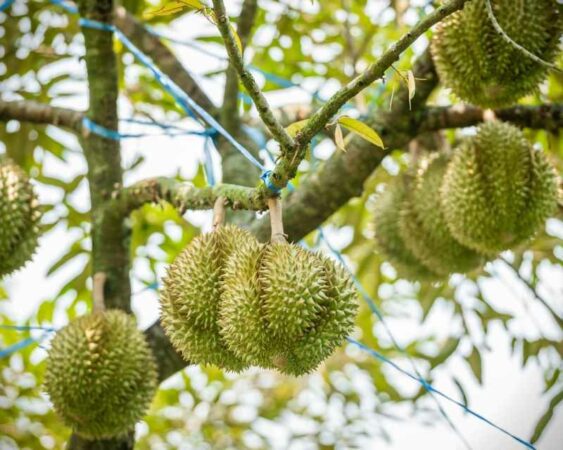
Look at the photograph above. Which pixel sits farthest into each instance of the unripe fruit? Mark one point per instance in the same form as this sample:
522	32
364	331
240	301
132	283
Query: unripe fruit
497	191
423	225
191	296
19	217
285	307
480	66
390	241
101	374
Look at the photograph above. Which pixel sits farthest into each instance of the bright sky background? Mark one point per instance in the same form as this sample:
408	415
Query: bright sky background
511	395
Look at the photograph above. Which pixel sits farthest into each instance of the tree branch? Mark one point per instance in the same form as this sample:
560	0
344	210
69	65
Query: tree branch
546	117
185	196
247	79
230	116
376	71
342	176
152	46
34	112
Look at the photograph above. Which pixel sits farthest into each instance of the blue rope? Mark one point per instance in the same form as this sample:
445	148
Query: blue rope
27	328
63	4
373	307
382	358
6	4
208	163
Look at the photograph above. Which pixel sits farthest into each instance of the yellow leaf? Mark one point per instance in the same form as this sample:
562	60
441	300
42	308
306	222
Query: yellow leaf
296	127
237	38
339	138
175	7
411	86
361	129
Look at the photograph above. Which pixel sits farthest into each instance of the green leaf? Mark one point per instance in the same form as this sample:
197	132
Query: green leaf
361	129
464	399
545	419
445	352
296	127
474	360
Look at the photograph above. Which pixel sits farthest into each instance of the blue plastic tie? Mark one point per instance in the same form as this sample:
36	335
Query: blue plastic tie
382	358
268	182
27	328
66	6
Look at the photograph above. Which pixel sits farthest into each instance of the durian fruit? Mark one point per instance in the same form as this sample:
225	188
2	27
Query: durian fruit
423	225
191	296
388	235
19	217
101	375
497	190
285	307
482	68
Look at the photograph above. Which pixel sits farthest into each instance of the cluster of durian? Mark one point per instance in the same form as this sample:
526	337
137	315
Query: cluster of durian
233	302
480	66
453	214
101	374
19	217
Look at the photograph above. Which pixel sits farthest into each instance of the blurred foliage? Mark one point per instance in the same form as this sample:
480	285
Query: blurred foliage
346	404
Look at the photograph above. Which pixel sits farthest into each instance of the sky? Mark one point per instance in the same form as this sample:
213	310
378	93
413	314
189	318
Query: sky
510	395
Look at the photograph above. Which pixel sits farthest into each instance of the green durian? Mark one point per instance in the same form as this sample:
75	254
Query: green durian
423	225
285	307
101	374
191	296
497	191
19	217
388	236
480	67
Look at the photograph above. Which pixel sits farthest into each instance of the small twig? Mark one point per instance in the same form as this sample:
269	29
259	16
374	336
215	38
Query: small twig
276	220
218	213
534	291
98	282
514	44
266	114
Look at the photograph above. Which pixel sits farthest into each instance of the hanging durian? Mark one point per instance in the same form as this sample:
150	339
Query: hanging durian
480	66
101	374
390	241
423	225
19	217
497	190
191	295
283	306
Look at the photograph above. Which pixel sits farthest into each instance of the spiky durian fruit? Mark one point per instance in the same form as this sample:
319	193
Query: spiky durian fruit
101	374
423	225
390	241
285	307
19	217
480	67
497	190
191	295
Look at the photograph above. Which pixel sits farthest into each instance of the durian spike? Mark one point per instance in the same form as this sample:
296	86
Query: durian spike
98	283
218	213
276	221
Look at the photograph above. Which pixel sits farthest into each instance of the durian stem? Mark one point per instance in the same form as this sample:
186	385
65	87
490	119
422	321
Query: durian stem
98	283
276	220
219	213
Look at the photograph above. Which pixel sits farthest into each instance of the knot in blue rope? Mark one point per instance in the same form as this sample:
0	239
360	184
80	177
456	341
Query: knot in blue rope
265	177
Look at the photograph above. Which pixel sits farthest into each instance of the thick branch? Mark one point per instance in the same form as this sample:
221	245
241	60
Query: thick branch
185	196
163	57
545	117
376	71
247	79
34	112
